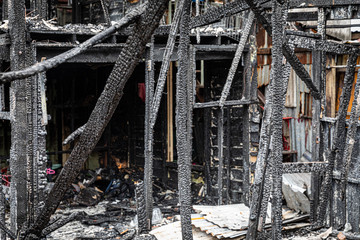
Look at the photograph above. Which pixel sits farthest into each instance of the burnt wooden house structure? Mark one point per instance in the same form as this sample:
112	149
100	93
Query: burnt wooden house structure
259	84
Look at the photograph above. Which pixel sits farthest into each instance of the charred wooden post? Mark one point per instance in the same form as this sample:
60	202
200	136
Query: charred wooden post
40	121
2	210
220	137
182	117
18	198
350	141
250	112
143	223
235	63
337	145
30	138
319	78
108	101
169	49
227	155
278	26
106	12
149	131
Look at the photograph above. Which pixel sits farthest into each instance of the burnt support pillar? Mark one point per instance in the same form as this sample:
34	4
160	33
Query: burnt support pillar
276	147
143	223
220	143
18	198
183	111
149	131
2	210
319	79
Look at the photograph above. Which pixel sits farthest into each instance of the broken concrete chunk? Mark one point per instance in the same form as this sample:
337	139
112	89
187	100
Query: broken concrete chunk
296	188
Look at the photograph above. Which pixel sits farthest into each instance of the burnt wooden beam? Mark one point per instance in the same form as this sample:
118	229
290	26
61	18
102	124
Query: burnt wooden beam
235	63
226	103
340	129
2	210
62	221
18	104
319	77
143	223
149	132
278	29
74	135
322	45
220	146
304	167
183	111
215	14
339	186
106	12
59	59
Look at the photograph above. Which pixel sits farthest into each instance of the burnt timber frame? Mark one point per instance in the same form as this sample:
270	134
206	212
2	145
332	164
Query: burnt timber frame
275	168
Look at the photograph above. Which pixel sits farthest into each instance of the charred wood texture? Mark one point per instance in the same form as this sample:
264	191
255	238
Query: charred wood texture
74	135
106	12
129	18
322	45
143	223
236	60
276	157
350	143
337	145
319	77
220	136
149	132
62	221
18	154
181	118
2	211
104	109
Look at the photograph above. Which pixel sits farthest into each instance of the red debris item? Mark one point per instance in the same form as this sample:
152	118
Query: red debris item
141	91
49	171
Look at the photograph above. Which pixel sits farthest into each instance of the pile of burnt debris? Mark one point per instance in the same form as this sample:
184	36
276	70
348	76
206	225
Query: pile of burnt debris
101	204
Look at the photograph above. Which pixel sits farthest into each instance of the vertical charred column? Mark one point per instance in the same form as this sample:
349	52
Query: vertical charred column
182	116
143	224
319	80
2	210
40	120
18	117
220	143
149	129
276	157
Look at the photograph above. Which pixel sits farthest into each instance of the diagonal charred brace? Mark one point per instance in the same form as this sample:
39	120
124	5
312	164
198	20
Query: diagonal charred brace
289	54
